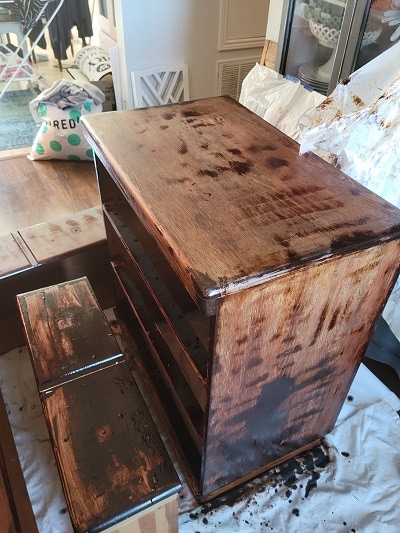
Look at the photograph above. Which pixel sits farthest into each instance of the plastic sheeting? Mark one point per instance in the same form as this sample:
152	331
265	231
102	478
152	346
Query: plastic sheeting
357	128
276	99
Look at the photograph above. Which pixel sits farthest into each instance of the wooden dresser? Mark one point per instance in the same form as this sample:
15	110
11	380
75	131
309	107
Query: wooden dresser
255	275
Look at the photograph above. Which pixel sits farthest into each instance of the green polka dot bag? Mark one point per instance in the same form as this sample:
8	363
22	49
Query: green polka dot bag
60	134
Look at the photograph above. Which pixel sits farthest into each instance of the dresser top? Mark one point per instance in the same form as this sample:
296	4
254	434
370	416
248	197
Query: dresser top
228	197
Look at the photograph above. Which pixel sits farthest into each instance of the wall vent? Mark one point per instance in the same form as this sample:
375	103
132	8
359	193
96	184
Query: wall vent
231	75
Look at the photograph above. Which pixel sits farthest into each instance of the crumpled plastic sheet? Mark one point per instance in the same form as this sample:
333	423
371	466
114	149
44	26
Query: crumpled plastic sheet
357	128
278	100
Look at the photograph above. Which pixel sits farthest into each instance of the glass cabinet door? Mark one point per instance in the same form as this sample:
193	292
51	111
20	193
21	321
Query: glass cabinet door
323	41
380	29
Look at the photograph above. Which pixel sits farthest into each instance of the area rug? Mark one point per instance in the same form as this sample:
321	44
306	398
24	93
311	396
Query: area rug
17	127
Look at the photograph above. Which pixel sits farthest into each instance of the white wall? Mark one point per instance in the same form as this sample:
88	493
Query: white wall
274	20
159	32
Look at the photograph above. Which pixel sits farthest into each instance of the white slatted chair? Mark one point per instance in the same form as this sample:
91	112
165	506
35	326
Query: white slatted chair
160	85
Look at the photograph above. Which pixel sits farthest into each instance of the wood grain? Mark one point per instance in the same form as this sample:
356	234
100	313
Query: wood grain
289	263
32	192
66	331
201	172
71	234
283	367
110	456
12	257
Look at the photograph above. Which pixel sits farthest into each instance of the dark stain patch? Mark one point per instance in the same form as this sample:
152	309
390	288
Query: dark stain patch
310	463
235	151
204	146
177	181
276	162
296	512
345	81
290	351
254	363
241	167
300	191
262	148
222	169
168	116
164	127
291	338
243	340
345	454
357	101
356	237
333	320
326	103
208	172
321	321
183	148
292	255
188	114
312	483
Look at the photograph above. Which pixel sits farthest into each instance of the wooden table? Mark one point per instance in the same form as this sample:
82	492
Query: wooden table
255	275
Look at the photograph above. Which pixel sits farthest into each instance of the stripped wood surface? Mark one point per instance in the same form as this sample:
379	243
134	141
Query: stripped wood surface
112	462
289	261
233	203
286	363
66	331
12	257
110	455
51	240
32	192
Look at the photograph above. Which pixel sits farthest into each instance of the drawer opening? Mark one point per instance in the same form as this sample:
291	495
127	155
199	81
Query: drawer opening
184	327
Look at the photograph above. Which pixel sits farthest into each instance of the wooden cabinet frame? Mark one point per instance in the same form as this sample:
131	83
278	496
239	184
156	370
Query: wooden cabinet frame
250	349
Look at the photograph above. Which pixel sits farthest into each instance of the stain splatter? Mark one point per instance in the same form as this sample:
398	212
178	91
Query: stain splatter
188	114
357	101
183	148
276	162
241	167
263	148
312	483
208	172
